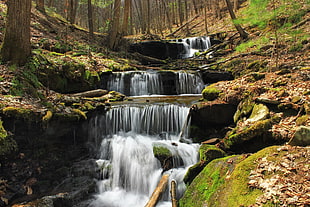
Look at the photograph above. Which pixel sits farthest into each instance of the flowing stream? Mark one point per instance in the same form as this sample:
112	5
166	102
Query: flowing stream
126	135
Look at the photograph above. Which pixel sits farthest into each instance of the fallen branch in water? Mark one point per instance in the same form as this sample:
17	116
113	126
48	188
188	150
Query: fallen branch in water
159	190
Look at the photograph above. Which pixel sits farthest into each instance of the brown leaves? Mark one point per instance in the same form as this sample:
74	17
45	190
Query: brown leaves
283	177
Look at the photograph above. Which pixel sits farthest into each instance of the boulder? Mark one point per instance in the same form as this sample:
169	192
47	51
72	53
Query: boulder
211	93
207	153
213	76
301	137
259	112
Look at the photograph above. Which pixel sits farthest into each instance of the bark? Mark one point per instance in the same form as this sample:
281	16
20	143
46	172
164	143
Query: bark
242	33
173	193
159	190
127	12
16	46
92	93
114	37
90	20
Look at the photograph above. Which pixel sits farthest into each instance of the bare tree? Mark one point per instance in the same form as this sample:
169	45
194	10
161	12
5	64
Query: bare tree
16	46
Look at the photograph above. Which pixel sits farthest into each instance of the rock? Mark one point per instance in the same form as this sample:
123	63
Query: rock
259	112
207	153
213	76
165	154
301	137
250	138
211	93
244	108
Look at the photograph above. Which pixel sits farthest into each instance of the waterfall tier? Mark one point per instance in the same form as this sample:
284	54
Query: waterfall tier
130	170
134	83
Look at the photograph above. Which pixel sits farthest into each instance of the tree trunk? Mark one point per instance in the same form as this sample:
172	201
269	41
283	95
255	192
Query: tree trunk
90	20
113	44
40	5
127	12
236	5
16	46
242	33
159	190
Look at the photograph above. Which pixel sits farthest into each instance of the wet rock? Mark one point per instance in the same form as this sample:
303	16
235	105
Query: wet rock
301	137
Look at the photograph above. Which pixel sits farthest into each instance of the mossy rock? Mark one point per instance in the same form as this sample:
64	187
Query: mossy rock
301	137
207	153
161	152
244	108
259	112
114	96
7	143
224	182
20	113
257	129
302	120
211	93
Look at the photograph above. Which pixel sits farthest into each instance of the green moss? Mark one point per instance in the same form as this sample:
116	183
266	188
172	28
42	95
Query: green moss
80	113
21	113
7	143
248	133
206	184
211	93
302	120
207	153
224	182
244	108
161	151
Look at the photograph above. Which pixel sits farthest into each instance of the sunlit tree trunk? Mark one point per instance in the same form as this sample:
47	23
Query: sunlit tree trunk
16	46
242	33
90	20
127	12
113	40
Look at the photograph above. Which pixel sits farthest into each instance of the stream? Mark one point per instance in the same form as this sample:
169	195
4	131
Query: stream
123	137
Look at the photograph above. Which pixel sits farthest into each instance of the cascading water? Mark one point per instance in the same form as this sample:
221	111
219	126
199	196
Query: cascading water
192	45
133	83
130	171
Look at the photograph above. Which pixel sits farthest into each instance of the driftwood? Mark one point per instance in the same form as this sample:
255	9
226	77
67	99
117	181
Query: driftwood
159	190
173	193
92	93
182	26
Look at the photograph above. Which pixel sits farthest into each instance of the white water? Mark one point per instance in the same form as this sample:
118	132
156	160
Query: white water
133	83
194	44
130	172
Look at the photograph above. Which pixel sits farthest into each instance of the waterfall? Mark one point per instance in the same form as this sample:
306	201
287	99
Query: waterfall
129	170
134	83
194	44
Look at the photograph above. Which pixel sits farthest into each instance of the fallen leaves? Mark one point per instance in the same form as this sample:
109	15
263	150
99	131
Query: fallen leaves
283	177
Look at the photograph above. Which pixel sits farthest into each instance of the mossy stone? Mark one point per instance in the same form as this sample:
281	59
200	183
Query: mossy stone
211	93
302	120
224	182
301	137
242	135
20	113
244	108
207	153
259	112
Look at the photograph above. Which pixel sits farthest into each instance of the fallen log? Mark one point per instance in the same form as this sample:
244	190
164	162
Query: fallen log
173	193
182	26
92	93
159	190
147	60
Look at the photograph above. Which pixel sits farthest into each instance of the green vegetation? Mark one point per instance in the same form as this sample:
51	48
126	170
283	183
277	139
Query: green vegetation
7	143
210	93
